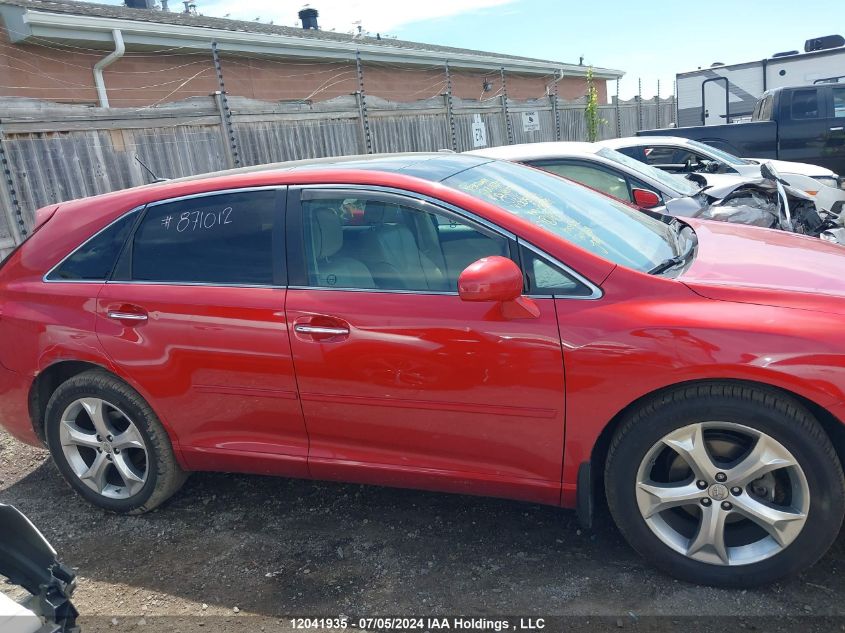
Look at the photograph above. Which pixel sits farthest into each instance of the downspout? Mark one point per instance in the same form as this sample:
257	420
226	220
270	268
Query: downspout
108	60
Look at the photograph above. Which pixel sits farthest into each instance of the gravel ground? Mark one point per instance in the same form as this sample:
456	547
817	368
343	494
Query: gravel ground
242	553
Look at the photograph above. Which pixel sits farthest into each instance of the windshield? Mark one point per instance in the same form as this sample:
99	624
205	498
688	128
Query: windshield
721	155
593	221
677	184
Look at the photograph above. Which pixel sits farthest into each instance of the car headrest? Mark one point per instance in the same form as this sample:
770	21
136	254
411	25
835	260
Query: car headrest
377	212
327	232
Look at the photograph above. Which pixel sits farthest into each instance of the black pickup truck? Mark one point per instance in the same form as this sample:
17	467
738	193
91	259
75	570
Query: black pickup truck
803	124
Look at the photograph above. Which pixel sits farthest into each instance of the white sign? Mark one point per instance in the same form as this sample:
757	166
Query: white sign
530	121
479	132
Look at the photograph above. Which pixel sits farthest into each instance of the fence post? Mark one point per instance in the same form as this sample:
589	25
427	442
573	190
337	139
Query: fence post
505	113
675	104
362	104
639	104
618	112
449	114
13	212
555	111
657	103
231	144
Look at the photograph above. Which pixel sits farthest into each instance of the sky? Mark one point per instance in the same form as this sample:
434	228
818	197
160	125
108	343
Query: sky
649	40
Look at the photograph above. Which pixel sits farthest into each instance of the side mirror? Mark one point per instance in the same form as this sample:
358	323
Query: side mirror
645	199
768	171
497	279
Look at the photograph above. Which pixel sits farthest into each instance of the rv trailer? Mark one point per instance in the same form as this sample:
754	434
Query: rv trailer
727	93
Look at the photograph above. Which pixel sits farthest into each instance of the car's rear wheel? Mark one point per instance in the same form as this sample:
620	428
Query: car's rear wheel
725	485
109	445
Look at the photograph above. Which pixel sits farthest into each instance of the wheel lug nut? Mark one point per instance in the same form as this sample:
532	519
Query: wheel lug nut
109	438
727	505
706	502
99	450
701	484
736	491
721	477
99	438
116	451
108	457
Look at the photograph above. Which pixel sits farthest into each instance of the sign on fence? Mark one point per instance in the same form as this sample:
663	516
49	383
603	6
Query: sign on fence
479	132
530	121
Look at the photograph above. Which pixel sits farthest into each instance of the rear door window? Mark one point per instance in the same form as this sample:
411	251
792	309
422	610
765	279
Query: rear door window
805	104
660	155
226	239
598	178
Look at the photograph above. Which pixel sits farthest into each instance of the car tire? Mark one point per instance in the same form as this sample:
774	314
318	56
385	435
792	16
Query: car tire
771	527
109	445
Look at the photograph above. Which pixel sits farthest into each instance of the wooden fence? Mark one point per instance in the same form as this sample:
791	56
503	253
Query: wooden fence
51	152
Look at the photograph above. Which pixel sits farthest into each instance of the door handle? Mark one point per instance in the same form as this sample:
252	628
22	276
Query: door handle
838	128
126	313
126	316
321	329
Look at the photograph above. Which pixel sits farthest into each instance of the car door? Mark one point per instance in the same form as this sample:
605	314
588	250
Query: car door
194	314
401	381
803	127
834	148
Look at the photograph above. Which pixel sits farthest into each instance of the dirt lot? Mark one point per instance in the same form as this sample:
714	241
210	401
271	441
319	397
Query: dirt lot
275	548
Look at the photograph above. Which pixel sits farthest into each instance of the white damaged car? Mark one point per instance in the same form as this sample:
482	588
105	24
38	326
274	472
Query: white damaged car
683	156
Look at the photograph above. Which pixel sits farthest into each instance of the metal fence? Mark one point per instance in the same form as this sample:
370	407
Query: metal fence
51	152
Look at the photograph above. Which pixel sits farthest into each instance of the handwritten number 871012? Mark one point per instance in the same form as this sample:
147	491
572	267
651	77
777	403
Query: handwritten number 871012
199	220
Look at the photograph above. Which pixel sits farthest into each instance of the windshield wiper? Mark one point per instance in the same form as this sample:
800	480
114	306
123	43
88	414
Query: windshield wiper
678	259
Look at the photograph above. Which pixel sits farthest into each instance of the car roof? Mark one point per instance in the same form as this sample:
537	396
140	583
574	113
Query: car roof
538	151
650	141
433	166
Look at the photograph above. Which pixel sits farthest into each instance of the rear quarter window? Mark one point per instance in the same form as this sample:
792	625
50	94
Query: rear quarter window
95	259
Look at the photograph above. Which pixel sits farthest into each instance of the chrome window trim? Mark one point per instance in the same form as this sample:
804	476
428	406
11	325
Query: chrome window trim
215	192
596	292
80	247
143	282
441	293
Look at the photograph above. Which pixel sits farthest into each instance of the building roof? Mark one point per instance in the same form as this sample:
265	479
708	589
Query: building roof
70	20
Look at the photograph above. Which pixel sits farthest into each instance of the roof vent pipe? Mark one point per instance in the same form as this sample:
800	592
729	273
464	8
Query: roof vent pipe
108	60
309	18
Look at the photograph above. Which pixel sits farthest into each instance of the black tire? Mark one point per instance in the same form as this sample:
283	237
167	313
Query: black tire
768	411
164	476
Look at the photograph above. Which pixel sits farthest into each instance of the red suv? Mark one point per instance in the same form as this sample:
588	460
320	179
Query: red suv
445	322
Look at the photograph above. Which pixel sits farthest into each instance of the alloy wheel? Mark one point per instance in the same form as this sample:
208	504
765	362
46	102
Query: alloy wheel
722	493
104	448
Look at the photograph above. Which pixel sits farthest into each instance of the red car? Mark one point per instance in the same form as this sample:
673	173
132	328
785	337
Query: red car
475	326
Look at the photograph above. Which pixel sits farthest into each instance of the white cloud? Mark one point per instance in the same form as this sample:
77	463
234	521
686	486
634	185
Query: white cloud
376	16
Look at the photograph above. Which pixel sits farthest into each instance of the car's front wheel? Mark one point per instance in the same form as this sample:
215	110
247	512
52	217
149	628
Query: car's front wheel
109	445
725	484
